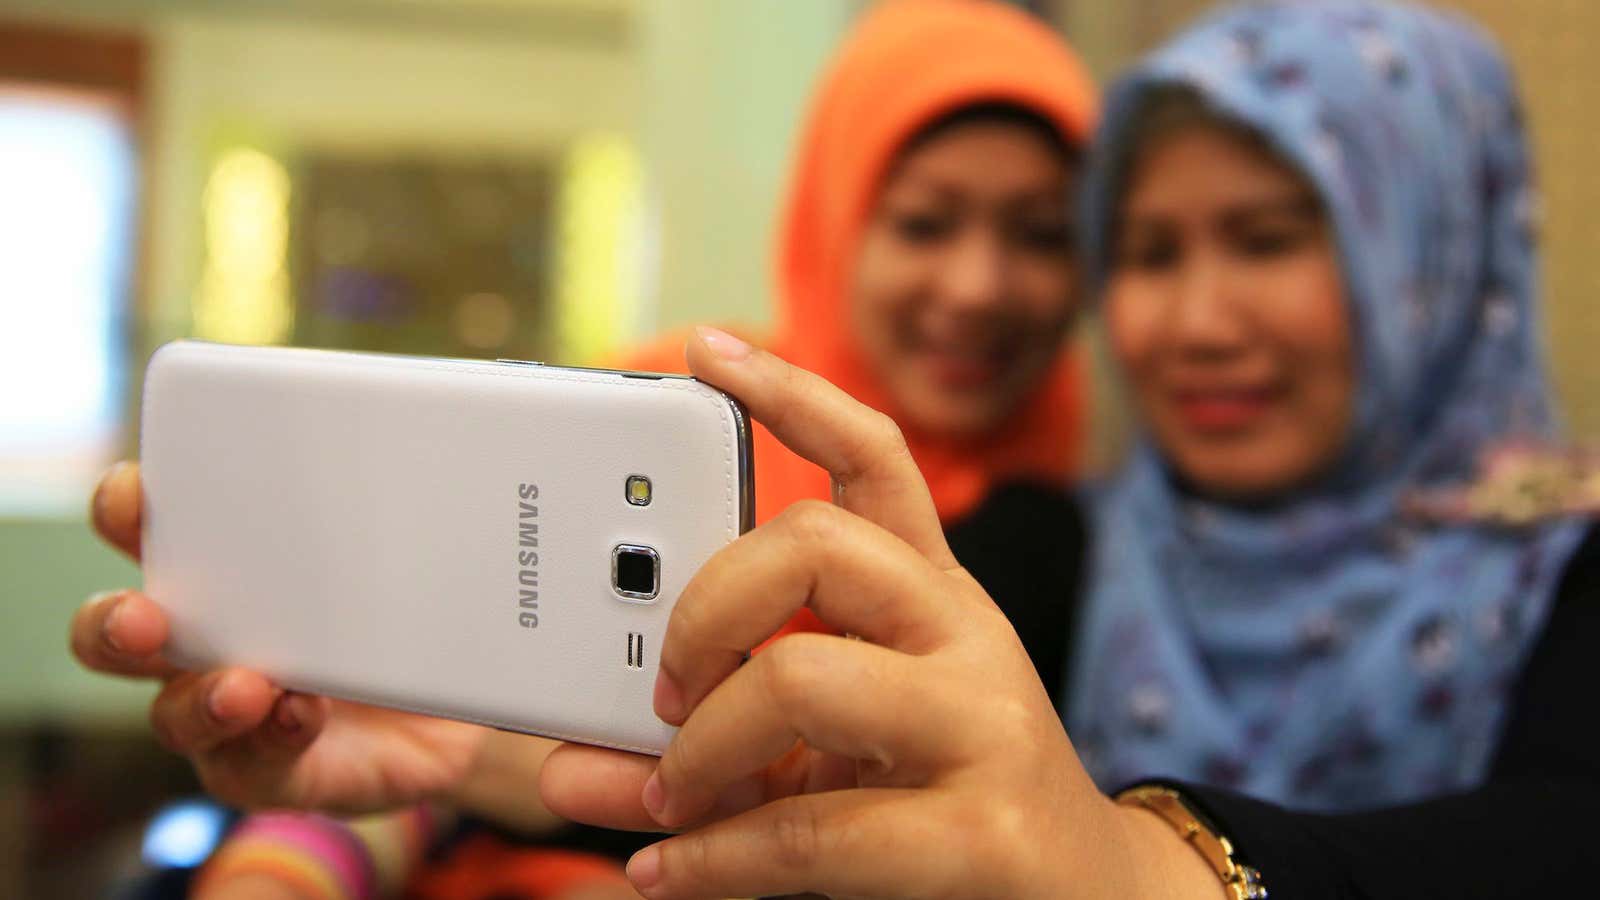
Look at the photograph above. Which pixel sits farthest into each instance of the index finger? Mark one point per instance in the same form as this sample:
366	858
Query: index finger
118	507
862	449
605	787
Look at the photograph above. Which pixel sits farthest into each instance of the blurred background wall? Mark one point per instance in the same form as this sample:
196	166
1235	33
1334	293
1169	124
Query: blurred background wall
543	179
445	176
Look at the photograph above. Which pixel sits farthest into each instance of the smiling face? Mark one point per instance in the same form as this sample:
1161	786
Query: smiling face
1227	313
964	281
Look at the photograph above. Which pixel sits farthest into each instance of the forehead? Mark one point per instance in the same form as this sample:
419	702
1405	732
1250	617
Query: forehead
986	156
1210	167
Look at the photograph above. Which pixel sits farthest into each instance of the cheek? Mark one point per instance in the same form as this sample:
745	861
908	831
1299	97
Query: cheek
882	293
1130	325
1047	292
1318	339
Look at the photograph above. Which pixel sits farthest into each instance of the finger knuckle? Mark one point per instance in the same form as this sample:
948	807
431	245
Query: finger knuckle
688	860
885	436
812	522
880	444
793	670
796	835
991	622
1006	821
1011	715
1005	826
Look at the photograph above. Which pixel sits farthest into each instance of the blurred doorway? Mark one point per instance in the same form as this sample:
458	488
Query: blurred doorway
69	172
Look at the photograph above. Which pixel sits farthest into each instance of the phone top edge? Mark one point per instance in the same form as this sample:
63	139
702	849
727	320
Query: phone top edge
741	418
641	374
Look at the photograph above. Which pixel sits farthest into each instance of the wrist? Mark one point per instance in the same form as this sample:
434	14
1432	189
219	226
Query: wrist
1164	866
1119	852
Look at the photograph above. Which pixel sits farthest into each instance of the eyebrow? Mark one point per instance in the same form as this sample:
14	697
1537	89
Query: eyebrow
1300	205
944	187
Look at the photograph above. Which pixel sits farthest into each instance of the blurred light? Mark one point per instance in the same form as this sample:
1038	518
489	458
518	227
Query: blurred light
66	195
182	835
599	212
484	321
243	296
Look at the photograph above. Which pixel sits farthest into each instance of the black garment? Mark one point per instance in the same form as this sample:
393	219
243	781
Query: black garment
1529	831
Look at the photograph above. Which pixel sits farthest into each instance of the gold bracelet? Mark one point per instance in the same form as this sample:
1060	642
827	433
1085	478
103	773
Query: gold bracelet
1242	881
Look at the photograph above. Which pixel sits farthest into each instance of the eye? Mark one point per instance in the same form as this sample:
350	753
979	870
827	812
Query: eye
1148	253
922	227
1271	241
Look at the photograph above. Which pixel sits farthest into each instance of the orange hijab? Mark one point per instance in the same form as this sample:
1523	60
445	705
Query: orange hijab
907	64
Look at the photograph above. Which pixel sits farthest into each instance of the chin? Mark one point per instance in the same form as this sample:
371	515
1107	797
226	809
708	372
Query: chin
1235	480
950	417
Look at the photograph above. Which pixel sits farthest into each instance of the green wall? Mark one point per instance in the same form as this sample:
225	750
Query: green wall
47	569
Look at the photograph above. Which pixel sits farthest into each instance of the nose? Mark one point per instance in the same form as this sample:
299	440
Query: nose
973	277
1205	322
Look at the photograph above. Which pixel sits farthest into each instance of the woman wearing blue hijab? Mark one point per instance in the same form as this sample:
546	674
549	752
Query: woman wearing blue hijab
1311	225
1318	657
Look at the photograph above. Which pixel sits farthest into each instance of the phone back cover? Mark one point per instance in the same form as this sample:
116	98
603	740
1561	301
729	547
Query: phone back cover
431	535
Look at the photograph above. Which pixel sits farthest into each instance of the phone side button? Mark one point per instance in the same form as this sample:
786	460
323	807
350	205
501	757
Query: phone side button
520	362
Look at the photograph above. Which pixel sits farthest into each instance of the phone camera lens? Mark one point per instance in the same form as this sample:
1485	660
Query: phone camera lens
635	572
638	490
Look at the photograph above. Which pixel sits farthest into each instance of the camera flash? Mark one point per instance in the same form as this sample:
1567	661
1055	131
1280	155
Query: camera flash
638	490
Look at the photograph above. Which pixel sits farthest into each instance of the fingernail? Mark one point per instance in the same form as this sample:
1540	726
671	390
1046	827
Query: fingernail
108	628
288	718
644	870
668	699
722	343
654	797
97	503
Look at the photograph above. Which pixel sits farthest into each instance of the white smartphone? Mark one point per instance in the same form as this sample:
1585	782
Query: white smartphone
497	542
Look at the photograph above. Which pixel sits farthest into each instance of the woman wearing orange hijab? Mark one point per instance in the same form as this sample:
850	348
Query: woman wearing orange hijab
923	259
954	330
924	264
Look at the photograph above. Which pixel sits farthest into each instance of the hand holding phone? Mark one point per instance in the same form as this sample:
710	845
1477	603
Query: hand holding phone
254	742
923	759
495	542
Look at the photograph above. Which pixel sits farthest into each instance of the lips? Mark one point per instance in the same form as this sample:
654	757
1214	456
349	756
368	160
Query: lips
1223	409
963	367
962	371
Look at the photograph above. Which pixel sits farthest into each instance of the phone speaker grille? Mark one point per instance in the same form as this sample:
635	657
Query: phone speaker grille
635	650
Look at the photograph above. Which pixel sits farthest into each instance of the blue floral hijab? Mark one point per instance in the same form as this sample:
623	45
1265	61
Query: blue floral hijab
1334	653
